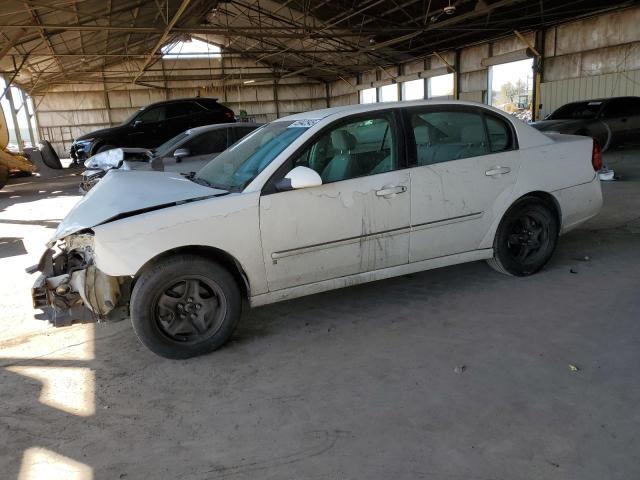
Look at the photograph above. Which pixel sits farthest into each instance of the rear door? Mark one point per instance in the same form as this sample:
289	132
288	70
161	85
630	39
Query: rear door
465	163
181	116
356	221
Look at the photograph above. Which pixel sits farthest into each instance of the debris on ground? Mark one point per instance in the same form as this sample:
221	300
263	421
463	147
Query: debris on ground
571	270
460	369
585	258
573	368
607	175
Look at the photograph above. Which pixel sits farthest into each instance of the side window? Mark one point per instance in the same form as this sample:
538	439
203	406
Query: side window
214	141
499	134
365	147
156	114
442	136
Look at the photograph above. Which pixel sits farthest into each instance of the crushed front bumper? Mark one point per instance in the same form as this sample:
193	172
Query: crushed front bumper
89	180
72	289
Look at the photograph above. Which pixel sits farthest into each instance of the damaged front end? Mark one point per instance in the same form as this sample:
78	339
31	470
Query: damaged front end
71	288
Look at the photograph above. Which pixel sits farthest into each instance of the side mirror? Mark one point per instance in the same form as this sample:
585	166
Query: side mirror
299	177
180	153
137	123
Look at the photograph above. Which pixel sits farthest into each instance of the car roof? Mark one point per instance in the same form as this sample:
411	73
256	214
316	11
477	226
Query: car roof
216	126
371	107
601	99
177	100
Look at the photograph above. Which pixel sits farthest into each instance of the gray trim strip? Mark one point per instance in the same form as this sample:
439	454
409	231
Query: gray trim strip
447	221
372	236
337	243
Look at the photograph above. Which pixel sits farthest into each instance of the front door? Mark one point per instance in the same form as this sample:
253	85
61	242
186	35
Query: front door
147	130
466	163
357	221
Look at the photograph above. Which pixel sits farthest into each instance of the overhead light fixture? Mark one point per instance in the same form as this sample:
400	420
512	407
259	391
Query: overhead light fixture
449	9
248	81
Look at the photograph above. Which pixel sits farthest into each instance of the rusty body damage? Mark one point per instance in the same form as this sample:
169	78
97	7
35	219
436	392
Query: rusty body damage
71	288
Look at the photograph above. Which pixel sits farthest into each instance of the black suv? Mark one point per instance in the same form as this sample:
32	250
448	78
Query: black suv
152	126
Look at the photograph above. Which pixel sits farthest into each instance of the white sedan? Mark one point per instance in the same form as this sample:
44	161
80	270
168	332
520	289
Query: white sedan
313	202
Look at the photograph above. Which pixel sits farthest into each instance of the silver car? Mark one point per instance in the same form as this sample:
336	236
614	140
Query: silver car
184	153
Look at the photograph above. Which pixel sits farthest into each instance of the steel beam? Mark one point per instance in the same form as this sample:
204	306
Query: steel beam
161	40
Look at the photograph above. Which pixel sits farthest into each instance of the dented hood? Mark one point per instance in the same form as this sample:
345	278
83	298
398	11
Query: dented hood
128	193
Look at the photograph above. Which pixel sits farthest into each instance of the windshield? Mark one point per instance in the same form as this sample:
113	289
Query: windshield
164	149
237	166
579	110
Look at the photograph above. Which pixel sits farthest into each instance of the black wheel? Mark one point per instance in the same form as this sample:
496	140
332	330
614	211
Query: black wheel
104	148
185	306
4	175
526	238
49	156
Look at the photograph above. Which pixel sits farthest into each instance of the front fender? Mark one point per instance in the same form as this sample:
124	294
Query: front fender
228	223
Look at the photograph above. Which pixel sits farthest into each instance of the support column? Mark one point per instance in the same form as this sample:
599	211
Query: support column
107	104
327	94
538	75
224	83
275	98
456	76
29	116
14	114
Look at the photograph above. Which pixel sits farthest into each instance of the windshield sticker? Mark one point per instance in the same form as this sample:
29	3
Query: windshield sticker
303	123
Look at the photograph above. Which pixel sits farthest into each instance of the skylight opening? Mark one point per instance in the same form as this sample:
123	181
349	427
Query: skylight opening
190	49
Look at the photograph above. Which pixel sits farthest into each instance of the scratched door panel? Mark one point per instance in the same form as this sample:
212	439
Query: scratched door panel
453	204
336	229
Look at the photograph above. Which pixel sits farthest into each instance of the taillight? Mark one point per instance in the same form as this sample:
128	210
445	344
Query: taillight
229	114
596	156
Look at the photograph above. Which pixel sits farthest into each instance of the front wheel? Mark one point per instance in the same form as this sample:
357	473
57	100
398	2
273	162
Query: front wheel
185	306
526	238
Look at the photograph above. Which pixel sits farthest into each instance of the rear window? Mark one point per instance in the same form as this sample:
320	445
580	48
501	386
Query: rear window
209	103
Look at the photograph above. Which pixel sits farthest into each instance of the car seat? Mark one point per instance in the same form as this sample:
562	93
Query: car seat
341	165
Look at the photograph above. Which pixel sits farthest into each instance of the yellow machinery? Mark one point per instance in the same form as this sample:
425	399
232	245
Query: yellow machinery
10	162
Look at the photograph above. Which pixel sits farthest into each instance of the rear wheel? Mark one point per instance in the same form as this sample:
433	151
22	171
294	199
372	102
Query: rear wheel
185	306
526	238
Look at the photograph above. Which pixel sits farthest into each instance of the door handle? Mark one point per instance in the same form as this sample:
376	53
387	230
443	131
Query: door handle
388	192
497	170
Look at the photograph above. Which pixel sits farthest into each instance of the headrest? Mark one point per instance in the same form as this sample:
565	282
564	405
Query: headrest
342	140
473	134
421	133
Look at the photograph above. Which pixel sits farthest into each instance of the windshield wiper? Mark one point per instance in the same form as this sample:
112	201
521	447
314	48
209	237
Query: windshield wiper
201	181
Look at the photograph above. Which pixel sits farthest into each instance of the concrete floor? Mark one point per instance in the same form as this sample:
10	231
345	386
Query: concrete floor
356	383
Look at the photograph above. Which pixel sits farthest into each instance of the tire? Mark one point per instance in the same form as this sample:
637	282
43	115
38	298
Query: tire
104	148
526	238
49	156
165	312
4	176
